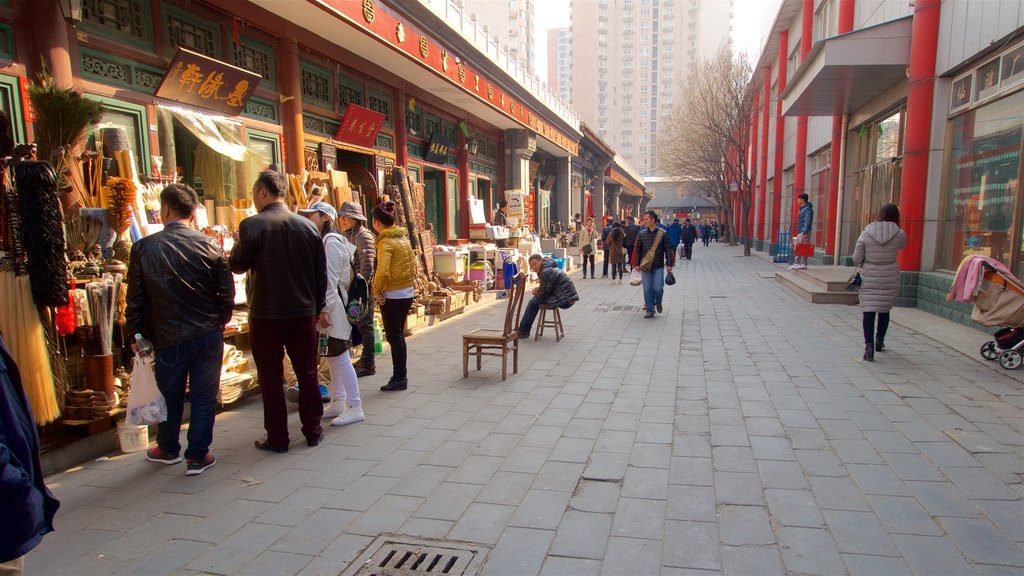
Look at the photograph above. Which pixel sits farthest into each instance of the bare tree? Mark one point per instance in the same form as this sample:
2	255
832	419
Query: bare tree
707	136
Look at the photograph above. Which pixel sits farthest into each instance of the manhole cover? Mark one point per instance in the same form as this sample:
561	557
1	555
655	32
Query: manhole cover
394	556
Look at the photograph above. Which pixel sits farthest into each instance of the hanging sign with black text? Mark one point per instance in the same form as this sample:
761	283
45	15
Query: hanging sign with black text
201	81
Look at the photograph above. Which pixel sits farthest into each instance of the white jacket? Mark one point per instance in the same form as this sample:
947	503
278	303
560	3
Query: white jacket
339	278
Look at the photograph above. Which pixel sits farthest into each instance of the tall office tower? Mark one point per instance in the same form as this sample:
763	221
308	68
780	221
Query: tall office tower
560	62
511	21
630	59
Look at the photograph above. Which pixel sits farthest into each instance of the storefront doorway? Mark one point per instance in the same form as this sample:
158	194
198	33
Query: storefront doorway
433	202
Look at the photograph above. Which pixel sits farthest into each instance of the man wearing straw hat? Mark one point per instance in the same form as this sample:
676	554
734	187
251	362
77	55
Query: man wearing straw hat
180	295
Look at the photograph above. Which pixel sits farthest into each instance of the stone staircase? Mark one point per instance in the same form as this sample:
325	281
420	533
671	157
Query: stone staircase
820	284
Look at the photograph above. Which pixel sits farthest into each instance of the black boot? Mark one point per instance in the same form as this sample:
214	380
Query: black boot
879	344
869	351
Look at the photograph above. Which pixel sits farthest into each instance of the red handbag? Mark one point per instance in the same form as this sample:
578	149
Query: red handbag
804	250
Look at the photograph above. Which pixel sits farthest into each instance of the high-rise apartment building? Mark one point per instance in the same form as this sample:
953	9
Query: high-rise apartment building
560	62
511	21
629	61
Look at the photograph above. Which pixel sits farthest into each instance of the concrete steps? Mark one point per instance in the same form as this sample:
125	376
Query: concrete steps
824	285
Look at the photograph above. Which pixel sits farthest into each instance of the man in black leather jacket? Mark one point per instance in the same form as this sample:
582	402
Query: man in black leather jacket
286	289
180	295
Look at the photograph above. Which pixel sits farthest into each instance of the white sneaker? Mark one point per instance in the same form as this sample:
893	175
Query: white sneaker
351	416
335	409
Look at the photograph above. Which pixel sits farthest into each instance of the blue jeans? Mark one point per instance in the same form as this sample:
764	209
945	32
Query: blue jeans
654	287
199	360
530	314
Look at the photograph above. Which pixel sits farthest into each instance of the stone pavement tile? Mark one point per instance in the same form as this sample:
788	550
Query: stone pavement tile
598	497
338	555
978	483
275	562
933	555
651	483
519	551
864	565
618	441
631	557
572	450
690	470
386	515
452	453
872	420
809	551
771	448
859	533
658	414
691	424
820	462
583	428
541	509
647	455
751	561
499	445
448	501
482	523
694	445
797	418
729	436
562	476
724	416
638	518
738	488
593	410
297	506
946	454
279	486
426	528
150	534
229	519
518	424
780	474
167	559
901	515
827	411
542	436
913	467
841	429
890	441
606	466
582	535
558	566
473	432
398	463
1007	516
407	427
993	570
487	413
343	473
877	479
806	438
794	508
527	459
691	545
838	494
733	459
477	469
942	499
506	488
230	555
420	481
975	442
981	542
450	419
654	433
54	554
362	493
1007	467
745	526
764	427
317	533
919	430
856	452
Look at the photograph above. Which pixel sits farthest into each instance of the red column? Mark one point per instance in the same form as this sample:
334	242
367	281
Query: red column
765	118
780	131
463	192
49	33
401	131
800	167
759	232
845	25
291	110
923	45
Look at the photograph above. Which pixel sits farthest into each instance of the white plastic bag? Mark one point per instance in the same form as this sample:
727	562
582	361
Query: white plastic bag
636	278
146	405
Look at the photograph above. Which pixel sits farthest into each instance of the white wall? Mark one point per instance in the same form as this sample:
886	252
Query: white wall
968	27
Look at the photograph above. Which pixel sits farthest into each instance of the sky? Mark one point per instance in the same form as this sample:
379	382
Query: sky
747	25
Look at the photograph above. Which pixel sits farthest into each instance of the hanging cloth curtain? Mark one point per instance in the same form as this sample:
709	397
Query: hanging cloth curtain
219	133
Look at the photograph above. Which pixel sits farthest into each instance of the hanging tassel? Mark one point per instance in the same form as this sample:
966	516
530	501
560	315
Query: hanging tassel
43	232
23	334
65	317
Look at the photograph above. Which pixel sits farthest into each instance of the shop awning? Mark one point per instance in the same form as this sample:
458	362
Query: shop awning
843	73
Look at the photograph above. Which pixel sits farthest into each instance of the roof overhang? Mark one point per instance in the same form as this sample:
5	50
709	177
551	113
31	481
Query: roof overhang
843	73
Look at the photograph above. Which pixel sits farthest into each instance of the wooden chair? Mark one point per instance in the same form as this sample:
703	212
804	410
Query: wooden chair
498	342
554	322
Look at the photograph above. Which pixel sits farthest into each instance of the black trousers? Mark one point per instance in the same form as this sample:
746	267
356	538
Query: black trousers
588	258
869	326
393	313
688	249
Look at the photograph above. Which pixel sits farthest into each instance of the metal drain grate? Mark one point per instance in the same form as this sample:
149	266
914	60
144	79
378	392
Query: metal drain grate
625	308
409	557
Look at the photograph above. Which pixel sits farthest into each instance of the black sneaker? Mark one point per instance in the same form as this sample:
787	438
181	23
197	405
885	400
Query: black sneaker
155	454
395	384
658	308
314	442
365	371
264	444
196	466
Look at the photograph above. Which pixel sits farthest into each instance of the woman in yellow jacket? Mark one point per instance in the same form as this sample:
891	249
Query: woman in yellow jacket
393	287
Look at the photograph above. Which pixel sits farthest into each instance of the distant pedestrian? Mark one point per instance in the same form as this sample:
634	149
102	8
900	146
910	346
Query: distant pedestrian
609	221
588	246
705	233
501	214
27	506
804	220
675	230
556	290
632	229
653	255
180	296
715	231
284	256
346	405
875	254
353	224
393	288
614	251
687	236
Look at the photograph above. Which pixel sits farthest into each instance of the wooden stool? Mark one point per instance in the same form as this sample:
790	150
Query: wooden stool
555	322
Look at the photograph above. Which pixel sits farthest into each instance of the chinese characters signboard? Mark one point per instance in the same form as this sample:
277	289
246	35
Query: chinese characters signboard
360	126
201	81
437	148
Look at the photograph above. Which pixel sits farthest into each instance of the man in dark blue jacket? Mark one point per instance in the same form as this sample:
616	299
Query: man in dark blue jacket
26	505
654	241
675	232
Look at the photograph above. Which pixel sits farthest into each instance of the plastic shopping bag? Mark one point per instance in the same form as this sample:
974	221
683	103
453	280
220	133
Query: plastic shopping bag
146	405
636	278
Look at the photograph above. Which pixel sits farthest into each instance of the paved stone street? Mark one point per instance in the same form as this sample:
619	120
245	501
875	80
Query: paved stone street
738	433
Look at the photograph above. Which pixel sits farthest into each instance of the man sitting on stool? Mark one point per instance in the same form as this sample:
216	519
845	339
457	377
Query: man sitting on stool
556	290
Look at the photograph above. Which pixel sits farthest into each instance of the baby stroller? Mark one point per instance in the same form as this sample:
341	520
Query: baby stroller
1000	302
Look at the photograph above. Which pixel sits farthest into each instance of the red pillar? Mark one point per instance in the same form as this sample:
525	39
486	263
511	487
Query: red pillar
401	131
913	189
800	167
845	25
291	110
780	131
463	192
759	231
765	118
